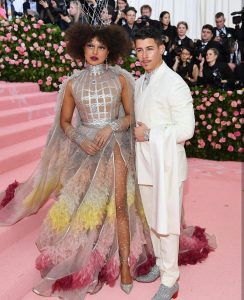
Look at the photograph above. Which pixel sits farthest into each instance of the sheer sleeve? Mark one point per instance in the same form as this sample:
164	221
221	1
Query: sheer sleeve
74	135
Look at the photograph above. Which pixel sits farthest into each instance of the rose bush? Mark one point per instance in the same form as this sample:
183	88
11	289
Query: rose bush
33	51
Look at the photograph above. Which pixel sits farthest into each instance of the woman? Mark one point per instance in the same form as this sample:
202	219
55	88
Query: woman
119	16
96	230
181	40
214	73
185	67
167	29
76	14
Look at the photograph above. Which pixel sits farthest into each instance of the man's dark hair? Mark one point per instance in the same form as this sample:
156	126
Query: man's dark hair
129	8
208	26
146	6
219	15
149	33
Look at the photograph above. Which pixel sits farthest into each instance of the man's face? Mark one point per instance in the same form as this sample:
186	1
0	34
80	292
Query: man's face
206	35
149	53
220	22
146	12
130	17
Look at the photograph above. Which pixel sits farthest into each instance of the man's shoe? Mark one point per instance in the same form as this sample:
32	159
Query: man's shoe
151	276
166	293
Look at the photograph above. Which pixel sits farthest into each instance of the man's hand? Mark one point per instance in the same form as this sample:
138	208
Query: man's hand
89	147
65	18
139	132
102	136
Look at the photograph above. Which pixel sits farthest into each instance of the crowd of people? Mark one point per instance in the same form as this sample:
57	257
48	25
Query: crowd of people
216	58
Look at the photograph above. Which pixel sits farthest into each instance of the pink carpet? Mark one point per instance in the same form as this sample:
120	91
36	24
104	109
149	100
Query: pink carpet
212	200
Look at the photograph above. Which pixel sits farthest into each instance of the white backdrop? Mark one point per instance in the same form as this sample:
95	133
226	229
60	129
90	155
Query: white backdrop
195	12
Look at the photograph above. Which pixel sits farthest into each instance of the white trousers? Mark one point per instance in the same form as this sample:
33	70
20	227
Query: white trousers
166	247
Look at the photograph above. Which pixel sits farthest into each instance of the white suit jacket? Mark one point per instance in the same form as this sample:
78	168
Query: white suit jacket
165	106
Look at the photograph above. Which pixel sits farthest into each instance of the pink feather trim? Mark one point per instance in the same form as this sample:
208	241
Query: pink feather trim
9	194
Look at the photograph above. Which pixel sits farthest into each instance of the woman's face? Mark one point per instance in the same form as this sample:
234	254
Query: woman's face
211	57
121	4
95	52
185	55
73	9
165	19
181	30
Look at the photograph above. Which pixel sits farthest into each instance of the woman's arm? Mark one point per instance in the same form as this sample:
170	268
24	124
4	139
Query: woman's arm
121	124
195	73
71	132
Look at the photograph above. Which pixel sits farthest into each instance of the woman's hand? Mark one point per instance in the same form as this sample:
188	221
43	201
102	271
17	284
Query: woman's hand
65	18
102	136
89	147
44	4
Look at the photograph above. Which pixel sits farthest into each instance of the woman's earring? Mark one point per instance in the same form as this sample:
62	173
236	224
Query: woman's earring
85	64
106	63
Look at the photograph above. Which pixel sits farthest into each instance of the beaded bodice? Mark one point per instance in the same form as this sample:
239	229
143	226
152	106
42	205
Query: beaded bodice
97	95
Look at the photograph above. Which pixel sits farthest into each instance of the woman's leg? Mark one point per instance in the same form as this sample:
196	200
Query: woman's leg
122	215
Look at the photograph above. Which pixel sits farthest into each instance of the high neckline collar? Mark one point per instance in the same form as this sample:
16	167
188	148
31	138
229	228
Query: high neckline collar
97	69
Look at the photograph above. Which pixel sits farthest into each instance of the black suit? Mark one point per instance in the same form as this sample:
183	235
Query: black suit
202	48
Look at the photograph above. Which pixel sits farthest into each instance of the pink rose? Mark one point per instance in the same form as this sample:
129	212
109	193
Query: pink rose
137	63
204	123
210	116
221	98
204	99
219	109
241	150
233	104
40	81
208	103
237	133
224	114
197	92
217	146
209	127
201	143
138	73
202	117
217	121
214	133
210	138
211	99
216	95
236	113
228	123
223	123
230	148
222	140
205	92
238	126
132	66
229	93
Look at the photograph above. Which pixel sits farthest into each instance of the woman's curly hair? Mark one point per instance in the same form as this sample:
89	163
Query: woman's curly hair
113	37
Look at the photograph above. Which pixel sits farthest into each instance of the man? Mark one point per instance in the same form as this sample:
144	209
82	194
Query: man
145	19
221	32
130	26
207	42
165	120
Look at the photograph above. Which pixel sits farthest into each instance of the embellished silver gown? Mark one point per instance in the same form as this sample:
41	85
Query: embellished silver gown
79	242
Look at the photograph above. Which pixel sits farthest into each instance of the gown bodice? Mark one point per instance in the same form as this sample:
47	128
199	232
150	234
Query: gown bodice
97	95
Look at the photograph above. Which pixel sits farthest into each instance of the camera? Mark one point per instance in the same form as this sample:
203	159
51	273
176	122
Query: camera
62	8
144	20
238	16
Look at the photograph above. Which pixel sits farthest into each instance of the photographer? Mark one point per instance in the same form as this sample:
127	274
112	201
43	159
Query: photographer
185	67
46	12
131	25
221	32
145	19
201	46
73	15
213	73
119	15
